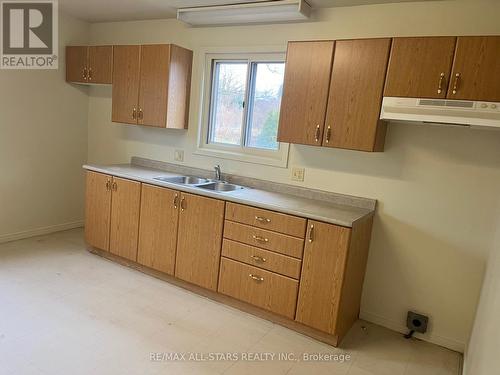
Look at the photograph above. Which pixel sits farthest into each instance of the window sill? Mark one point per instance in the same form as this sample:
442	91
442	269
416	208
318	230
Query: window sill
275	159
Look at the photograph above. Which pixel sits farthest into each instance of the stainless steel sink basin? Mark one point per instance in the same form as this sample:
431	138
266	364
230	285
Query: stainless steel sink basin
220	186
183	180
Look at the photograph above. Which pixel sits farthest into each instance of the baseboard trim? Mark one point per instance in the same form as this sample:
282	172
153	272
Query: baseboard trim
40	231
398	327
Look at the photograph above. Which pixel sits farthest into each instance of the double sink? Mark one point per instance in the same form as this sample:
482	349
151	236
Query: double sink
201	183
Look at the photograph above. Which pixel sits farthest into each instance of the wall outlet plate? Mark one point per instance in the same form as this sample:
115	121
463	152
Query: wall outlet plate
298	174
417	322
179	155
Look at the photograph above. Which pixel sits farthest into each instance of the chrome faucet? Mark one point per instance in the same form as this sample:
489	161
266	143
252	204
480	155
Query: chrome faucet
217	172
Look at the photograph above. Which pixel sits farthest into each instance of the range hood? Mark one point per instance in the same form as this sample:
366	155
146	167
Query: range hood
442	112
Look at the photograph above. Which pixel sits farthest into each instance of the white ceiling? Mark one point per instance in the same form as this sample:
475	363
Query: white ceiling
124	10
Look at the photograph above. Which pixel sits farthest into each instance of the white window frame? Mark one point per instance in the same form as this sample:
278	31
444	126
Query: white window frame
277	158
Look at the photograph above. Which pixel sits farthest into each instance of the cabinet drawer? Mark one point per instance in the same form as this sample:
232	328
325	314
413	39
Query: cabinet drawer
261	288
265	239
265	219
264	259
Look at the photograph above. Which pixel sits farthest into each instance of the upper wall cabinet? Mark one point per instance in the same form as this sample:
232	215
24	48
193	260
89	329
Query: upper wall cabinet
420	67
356	86
305	92
476	69
465	68
151	85
333	92
92	64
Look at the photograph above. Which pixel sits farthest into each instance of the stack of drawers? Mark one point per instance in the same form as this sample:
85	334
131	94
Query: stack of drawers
262	258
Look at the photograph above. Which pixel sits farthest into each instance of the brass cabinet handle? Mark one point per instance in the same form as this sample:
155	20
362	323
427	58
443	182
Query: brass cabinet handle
260	239
440	84
176	200
141	116
183	206
317	134
134	113
328	133
90	74
84	72
455	85
258	258
114	186
108	185
262	219
311	233
256	278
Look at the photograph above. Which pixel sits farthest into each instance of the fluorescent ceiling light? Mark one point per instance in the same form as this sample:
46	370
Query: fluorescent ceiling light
257	12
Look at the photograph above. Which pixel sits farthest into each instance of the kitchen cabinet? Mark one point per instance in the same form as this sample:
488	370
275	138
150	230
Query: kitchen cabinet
265	239
332	276
265	219
332	94
258	287
124	226
89	64
159	216
262	266
355	98
97	209
305	274
151	85
420	67
305	92
476	69
265	259
199	240
126	68
322	272
464	68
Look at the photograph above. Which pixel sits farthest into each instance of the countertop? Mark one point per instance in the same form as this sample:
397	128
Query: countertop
339	214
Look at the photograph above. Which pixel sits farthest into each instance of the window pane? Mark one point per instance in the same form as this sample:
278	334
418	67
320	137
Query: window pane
229	87
265	105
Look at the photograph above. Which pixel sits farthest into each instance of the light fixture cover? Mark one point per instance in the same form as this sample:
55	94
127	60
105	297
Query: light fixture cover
237	14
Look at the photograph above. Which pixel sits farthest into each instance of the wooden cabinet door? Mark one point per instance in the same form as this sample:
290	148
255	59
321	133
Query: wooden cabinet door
97	210
420	67
322	274
76	64
305	92
476	69
199	240
100	64
125	218
126	72
155	62
158	228
357	83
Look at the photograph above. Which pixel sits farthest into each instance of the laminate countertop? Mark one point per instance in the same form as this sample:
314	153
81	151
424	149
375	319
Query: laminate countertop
340	210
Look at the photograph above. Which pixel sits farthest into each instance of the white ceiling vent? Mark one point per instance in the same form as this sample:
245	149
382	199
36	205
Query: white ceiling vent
246	13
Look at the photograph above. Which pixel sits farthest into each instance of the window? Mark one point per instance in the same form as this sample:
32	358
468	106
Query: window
242	104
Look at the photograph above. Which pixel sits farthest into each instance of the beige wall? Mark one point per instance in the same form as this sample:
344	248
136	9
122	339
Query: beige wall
437	187
482	354
43	143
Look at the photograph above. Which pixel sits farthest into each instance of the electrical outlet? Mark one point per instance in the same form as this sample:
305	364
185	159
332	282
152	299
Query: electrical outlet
179	155
298	174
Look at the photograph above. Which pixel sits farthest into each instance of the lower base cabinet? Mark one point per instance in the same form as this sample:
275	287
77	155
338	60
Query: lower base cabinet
158	228
261	288
125	206
333	270
98	209
199	240
322	275
308	273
